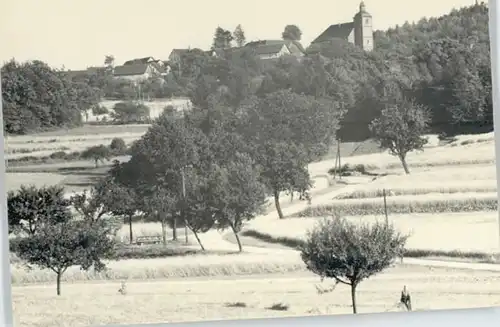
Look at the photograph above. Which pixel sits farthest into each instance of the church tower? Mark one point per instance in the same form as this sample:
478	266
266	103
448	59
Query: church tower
363	29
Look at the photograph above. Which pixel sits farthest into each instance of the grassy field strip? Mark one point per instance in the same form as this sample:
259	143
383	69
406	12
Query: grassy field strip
375	190
485	137
450	173
55	143
468	232
172	267
428	203
82	131
68	138
431	157
13	181
40	151
160	301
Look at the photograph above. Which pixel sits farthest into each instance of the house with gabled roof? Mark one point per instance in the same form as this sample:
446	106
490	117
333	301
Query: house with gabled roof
140	69
358	32
272	49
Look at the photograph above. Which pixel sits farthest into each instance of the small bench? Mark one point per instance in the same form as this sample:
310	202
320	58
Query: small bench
148	240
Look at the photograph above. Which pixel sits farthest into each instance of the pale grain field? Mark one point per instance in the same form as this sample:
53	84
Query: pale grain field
420	188
475	153
202	299
210	265
467	232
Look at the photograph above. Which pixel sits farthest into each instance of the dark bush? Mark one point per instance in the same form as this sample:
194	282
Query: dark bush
118	146
58	155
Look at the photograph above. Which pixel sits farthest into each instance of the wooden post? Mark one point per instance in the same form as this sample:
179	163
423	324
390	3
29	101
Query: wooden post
184	204
385	207
335	167
338	154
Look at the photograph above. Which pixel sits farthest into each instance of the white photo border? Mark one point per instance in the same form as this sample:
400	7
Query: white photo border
483	317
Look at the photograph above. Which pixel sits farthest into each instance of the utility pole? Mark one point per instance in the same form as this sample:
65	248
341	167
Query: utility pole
183	177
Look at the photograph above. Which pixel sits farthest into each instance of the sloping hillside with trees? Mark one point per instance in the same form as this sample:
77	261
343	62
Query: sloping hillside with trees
442	63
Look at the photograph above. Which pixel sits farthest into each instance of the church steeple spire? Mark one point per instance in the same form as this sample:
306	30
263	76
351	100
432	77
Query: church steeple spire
362	7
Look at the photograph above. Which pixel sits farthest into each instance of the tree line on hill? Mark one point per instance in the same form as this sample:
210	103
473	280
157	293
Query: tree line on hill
442	63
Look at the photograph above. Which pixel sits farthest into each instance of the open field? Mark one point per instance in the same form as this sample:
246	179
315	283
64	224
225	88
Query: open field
428	203
209	265
460	179
375	190
466	232
453	154
77	139
194	299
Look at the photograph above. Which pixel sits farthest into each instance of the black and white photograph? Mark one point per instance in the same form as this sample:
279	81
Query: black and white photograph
214	160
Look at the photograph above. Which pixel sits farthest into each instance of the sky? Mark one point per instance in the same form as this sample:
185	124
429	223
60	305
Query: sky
77	34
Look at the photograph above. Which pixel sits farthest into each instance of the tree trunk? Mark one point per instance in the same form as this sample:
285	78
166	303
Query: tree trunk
96	161
240	247
164	232
405	165
198	240
277	204
174	229
131	235
58	282
291	197
353	298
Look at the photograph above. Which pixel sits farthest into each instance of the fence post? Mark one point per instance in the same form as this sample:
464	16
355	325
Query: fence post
385	207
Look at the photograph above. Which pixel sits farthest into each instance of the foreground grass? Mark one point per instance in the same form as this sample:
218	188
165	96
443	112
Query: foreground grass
208	265
486	202
96	304
295	243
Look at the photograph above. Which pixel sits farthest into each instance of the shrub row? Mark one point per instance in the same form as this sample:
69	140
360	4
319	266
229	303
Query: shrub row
377	208
124	252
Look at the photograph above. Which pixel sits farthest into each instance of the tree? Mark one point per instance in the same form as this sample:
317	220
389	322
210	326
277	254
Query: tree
94	204
62	245
97	153
222	39
162	206
292	33
287	132
236	194
199	215
159	157
98	110
121	201
118	146
282	166
130	112
109	62
239	36
31	208
400	128
37	97
349	253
